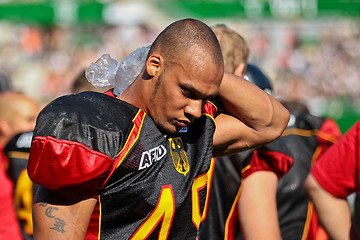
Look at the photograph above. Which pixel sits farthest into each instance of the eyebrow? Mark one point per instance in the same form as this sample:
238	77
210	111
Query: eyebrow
196	92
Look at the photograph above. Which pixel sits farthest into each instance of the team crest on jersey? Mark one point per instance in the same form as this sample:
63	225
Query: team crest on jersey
178	155
151	156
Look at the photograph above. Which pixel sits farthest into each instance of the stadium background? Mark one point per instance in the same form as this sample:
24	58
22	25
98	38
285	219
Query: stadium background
309	48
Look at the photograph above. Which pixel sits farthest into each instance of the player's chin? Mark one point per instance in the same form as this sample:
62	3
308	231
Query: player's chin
169	128
174	130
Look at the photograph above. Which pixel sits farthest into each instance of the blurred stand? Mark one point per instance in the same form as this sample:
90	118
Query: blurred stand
311	58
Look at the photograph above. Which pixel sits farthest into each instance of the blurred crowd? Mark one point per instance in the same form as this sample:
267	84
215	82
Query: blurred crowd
315	63
311	62
44	62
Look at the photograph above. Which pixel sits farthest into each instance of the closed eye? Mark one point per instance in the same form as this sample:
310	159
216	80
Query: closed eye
189	94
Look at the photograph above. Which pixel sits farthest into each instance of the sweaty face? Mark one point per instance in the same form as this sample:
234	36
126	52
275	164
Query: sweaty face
182	89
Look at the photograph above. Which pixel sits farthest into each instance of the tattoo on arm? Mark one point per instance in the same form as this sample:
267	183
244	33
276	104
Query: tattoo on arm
58	224
49	212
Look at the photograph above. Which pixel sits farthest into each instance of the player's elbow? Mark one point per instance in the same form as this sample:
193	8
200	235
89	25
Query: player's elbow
276	125
281	121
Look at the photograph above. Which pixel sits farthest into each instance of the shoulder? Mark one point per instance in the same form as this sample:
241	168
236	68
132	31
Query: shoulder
80	116
85	105
76	139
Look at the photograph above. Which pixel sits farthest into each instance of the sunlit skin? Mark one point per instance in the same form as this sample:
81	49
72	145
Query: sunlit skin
174	96
18	114
25	119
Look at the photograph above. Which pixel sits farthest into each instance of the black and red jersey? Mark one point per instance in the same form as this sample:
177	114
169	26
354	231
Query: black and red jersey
17	151
290	157
150	185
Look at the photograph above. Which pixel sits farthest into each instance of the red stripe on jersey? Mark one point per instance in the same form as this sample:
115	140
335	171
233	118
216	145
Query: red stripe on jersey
110	93
210	175
232	221
93	230
210	109
131	140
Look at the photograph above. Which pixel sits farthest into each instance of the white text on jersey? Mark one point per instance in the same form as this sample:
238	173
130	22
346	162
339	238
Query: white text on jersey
151	156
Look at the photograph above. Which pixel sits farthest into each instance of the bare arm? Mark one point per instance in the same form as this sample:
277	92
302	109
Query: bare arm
255	118
61	215
334	213
257	207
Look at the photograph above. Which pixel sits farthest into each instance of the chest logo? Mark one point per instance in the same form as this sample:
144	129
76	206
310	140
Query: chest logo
151	156
180	160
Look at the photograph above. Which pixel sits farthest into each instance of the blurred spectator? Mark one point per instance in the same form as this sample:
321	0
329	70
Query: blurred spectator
17	151
17	114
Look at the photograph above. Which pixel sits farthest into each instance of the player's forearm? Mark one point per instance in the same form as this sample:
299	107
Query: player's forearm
334	213
258	110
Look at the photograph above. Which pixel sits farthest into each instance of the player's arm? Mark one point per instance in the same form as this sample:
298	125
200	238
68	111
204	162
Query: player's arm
61	214
255	117
334	213
257	207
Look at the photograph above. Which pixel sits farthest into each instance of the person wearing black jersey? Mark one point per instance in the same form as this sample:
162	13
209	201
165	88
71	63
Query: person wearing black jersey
146	154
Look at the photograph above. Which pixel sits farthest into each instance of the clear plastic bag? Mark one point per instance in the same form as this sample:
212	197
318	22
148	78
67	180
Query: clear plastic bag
129	69
104	72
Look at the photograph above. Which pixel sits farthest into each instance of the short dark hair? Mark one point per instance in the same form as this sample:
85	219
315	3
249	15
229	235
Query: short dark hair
183	34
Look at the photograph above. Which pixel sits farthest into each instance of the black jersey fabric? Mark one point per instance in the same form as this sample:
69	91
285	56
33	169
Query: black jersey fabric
305	138
150	185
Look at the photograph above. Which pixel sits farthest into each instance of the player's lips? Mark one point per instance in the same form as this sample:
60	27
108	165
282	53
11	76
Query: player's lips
182	124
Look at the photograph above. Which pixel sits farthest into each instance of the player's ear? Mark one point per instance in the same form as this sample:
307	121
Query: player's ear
240	70
153	64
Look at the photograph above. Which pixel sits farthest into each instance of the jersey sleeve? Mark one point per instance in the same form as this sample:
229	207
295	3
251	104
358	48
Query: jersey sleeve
328	133
337	169
274	157
76	140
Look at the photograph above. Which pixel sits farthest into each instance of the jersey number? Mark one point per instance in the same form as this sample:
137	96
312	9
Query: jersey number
165	211
23	201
